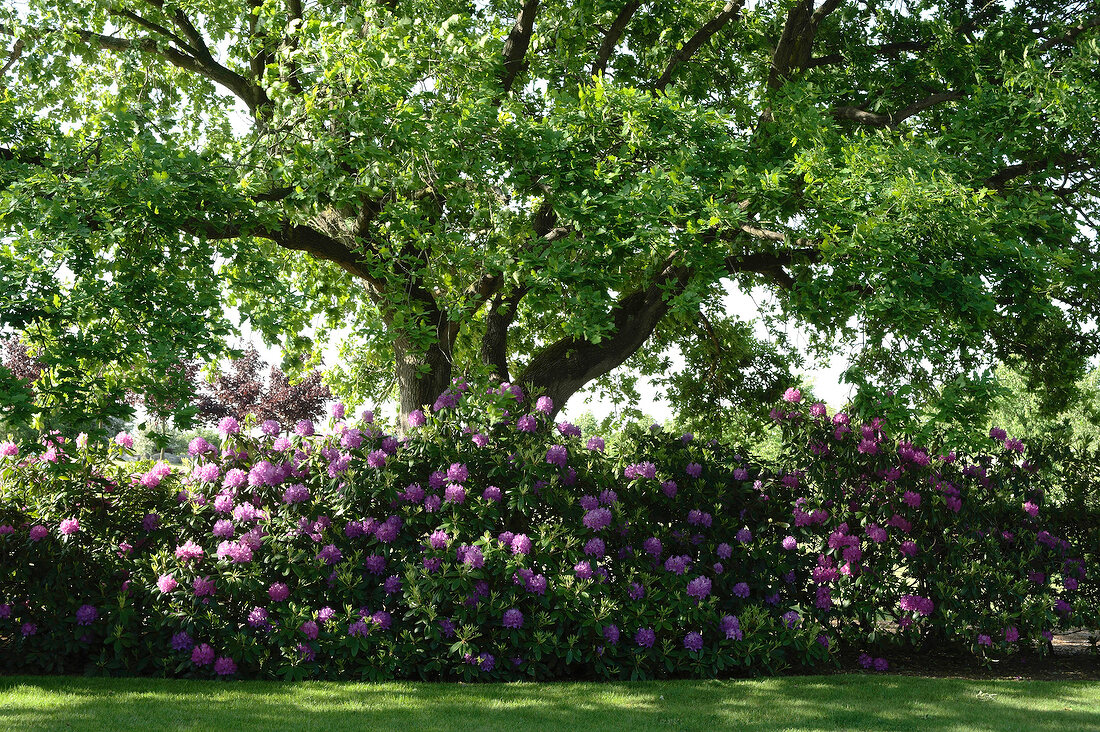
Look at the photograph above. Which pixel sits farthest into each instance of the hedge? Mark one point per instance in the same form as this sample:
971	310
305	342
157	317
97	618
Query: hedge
488	543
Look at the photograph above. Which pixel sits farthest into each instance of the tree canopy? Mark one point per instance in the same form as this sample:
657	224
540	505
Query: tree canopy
549	190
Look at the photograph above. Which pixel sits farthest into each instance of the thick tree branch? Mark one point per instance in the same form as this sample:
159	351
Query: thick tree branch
16	52
543	224
295	11
194	38
154	27
494	344
565	366
883	49
1068	162
515	47
237	84
614	33
893	119
1071	35
701	36
262	55
795	45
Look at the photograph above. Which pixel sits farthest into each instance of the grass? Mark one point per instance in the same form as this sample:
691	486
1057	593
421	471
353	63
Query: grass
854	702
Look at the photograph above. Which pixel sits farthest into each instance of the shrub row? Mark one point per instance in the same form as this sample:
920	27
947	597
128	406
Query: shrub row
489	543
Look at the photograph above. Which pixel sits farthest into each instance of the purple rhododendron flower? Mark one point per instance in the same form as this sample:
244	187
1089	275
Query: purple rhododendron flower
278	592
513	619
296	493
699	588
526	423
471	556
521	544
693	642
595	548
741	589
203	587
375	564
677	564
645	637
915	604
202	655
557	455
181	641
86	615
731	626
69	526
225	666
567	429
330	554
257	617
694	470
189	550
596	444
597	519
457	473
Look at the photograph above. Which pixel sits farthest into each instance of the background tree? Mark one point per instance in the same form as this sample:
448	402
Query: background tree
547	191
241	391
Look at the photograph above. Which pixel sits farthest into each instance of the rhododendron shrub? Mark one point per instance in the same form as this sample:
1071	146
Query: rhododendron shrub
490	543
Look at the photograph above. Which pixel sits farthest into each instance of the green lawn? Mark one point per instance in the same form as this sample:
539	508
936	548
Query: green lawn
853	702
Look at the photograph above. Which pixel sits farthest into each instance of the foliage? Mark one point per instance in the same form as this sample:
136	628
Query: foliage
547	191
242	391
1021	413
490	546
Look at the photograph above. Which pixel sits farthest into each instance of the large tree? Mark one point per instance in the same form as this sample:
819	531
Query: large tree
548	190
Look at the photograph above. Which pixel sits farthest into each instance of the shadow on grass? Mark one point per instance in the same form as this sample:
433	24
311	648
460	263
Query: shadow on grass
793	703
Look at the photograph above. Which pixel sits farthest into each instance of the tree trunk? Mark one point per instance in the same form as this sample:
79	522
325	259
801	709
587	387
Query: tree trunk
421	376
